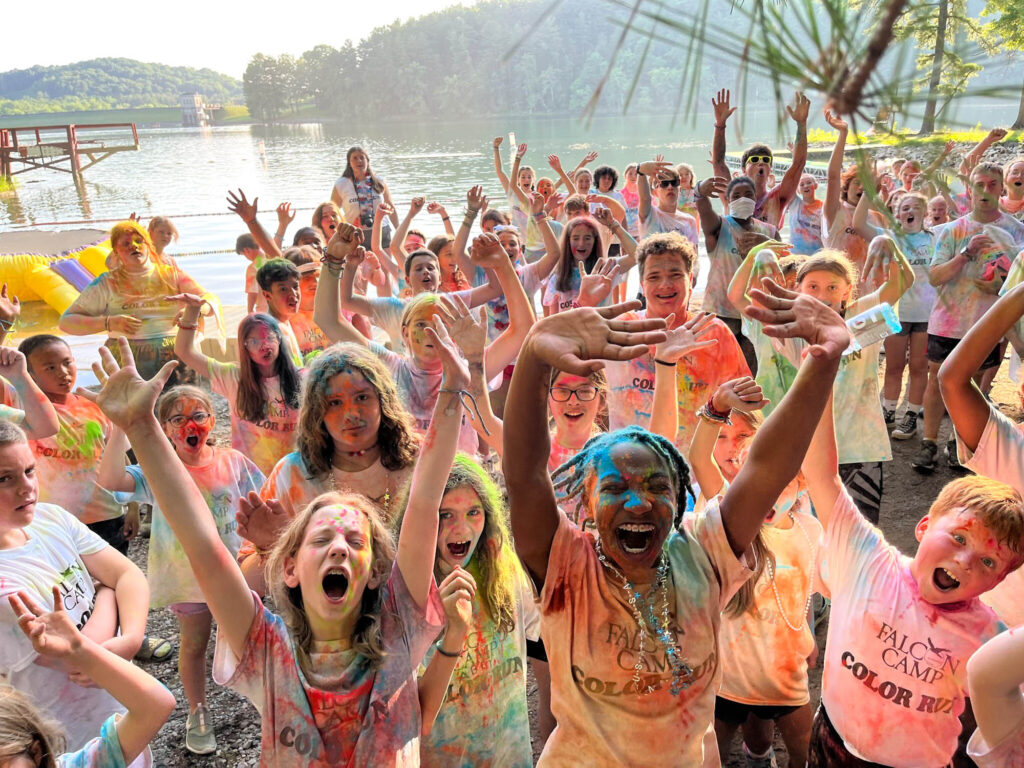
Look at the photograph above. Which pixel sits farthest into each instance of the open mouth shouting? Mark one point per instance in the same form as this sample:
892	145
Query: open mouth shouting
944	581
635	538
458	549
193	441
335	585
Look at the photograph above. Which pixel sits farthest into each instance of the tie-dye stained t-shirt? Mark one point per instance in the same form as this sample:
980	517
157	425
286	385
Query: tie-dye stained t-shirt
959	303
223	480
290	483
698	374
419	389
370	717
725	260
775	373
764	660
483	721
660	221
895	665
66	463
915	306
591	635
1009	753
102	752
841	235
311	339
142	296
264	442
805	225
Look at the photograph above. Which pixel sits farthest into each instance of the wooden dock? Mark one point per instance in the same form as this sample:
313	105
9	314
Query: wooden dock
54	145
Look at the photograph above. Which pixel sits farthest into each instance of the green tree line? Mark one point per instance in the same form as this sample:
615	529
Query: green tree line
110	83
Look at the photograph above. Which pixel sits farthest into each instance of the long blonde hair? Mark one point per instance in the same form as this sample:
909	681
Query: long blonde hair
26	731
366	639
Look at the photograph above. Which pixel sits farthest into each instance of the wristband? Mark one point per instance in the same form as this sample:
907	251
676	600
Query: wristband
540	216
638	171
106	323
696	192
6	325
719	127
710	413
445	218
665	363
186	327
443	652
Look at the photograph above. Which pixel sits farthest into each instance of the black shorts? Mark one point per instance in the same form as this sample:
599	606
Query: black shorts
535	650
735	713
908	328
827	749
940	347
112	532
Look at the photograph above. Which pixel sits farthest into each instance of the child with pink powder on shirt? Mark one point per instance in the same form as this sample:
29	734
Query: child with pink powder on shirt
334	676
902	629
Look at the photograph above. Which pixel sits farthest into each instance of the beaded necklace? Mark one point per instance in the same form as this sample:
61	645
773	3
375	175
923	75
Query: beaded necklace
643	609
813	547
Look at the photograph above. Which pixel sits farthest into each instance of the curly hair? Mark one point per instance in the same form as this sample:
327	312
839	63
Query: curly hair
571	477
366	638
493	563
395	438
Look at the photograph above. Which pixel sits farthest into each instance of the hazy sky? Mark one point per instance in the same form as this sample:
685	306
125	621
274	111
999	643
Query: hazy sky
219	34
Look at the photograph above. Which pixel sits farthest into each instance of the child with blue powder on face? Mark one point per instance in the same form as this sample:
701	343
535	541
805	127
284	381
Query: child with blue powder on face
902	629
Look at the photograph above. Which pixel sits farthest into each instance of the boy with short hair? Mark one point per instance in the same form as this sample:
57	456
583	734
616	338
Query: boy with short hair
661	214
901	629
246	246
665	263
278	280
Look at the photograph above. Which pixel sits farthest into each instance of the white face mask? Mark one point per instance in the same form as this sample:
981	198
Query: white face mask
741	208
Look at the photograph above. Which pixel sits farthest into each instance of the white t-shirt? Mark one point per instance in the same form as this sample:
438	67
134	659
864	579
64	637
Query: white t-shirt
895	674
915	306
1000	455
1009	753
52	556
677	221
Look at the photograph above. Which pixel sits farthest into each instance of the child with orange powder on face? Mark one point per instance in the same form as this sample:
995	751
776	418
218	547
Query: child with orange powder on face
1012	200
223	476
902	629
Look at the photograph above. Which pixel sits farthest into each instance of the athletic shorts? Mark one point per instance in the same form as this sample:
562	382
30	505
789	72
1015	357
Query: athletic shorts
735	713
189	609
151	355
940	347
908	328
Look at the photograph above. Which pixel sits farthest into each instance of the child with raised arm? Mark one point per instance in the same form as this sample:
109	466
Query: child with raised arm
988	441
728	240
804	217
418	374
262	388
630	615
41	547
902	629
246	246
224	476
29	739
1012	201
334	676
67	462
659	179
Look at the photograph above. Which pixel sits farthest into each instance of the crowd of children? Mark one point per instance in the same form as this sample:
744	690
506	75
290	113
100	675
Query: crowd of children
456	460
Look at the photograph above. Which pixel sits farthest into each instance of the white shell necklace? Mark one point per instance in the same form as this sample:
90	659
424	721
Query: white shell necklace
813	547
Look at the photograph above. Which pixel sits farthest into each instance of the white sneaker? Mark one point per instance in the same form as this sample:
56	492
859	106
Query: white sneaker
199	736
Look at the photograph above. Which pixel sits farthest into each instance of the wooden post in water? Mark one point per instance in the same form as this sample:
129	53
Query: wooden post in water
76	166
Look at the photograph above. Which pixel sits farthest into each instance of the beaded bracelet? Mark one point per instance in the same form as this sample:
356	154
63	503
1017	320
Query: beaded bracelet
6	325
186	327
709	414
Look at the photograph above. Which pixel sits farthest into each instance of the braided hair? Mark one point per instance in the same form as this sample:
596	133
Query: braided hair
570	477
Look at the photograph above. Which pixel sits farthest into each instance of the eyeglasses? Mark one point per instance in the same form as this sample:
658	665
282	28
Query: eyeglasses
564	394
258	343
666	183
199	417
754	159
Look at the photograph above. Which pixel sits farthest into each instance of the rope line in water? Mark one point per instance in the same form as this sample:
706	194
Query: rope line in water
269	211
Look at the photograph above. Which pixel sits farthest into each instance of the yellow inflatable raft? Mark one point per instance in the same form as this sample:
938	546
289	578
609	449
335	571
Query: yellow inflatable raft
31	264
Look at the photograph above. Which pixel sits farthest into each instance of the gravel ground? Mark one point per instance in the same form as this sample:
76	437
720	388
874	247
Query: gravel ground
906	499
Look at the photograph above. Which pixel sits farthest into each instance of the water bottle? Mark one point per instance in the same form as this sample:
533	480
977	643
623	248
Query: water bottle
871	326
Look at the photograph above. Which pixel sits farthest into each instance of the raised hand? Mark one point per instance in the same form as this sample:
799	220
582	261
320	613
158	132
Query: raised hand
12	364
801	108
240	205
52	633
371	262
997	134
10	308
520	151
455	372
554	200
497	141
457	592
466	328
603	215
486	251
588	159
720	105
743	394
188	299
680	341
580	340
788	315
384	208
260	521
436	208
536	202
713	186
345	240
285	215
555	163
652	168
766	257
416	205
835	121
597	286
126	398
476	200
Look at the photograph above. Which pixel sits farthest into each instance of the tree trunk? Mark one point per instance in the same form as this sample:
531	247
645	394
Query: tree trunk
1019	124
928	122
